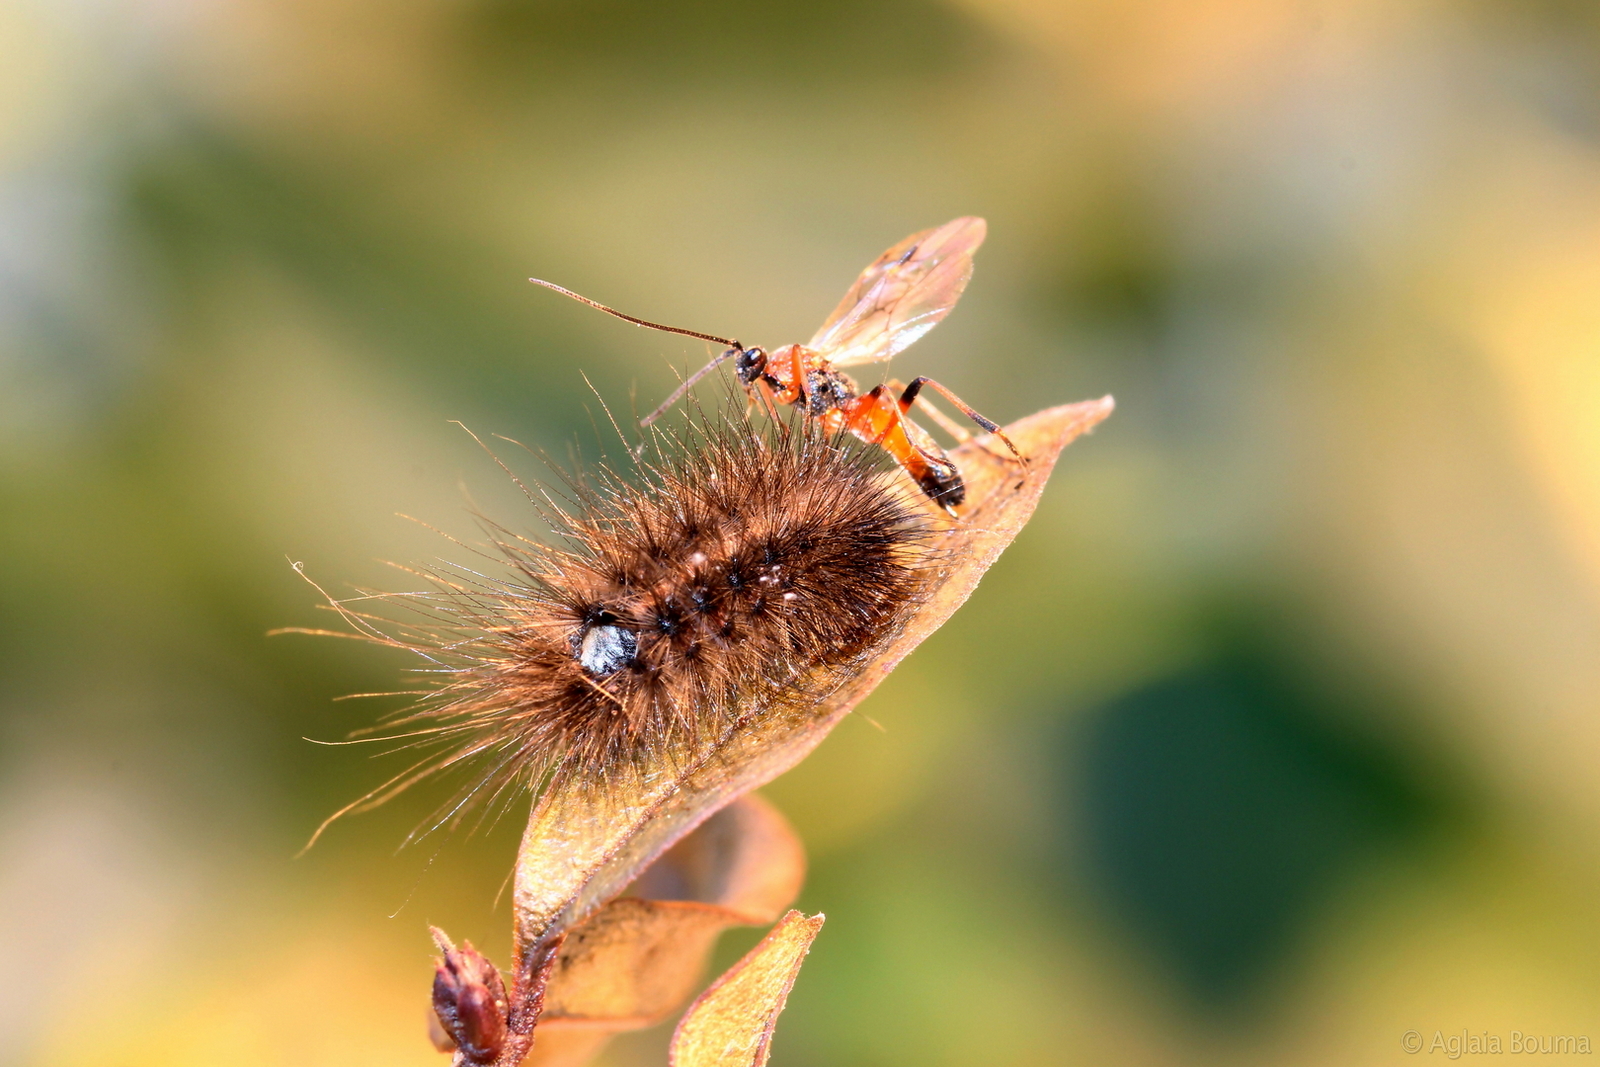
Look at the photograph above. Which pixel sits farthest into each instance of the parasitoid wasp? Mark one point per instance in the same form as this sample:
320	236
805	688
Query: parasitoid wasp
902	295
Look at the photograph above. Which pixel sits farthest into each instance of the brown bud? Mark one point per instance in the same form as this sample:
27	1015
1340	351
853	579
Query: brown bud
470	1000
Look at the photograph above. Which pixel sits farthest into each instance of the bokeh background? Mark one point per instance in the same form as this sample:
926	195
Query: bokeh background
1274	736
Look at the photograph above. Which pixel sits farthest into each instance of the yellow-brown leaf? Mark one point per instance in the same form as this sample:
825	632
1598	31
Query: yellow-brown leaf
731	1024
637	959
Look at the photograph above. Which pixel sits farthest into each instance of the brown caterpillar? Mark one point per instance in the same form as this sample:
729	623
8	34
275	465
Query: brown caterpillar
736	569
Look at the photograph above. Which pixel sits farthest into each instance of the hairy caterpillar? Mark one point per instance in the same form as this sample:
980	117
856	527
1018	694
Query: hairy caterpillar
736	569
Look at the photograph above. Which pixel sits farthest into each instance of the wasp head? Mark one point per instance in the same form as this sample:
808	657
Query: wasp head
748	363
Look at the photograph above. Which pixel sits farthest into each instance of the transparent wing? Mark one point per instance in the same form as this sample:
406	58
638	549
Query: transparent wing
903	295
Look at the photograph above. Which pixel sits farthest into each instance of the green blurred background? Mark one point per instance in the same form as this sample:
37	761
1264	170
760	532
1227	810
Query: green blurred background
1273	737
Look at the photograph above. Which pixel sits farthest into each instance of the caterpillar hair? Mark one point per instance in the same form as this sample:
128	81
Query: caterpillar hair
735	568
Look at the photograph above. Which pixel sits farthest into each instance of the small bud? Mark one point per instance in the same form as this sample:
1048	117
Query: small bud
470	1000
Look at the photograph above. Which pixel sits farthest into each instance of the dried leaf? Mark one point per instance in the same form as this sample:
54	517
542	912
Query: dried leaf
641	956
584	844
745	858
731	1024
632	962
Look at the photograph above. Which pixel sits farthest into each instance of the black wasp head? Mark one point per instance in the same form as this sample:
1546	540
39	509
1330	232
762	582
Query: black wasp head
748	363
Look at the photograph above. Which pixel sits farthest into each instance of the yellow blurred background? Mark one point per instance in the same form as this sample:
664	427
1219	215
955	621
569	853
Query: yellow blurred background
1274	737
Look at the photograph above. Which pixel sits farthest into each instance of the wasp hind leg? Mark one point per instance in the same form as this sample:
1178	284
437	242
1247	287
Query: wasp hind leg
946	423
909	396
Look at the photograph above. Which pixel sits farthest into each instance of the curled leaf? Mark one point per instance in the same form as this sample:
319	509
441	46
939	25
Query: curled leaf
731	1024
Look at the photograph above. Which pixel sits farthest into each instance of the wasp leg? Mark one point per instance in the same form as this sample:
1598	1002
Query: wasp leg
792	391
946	423
909	397
763	392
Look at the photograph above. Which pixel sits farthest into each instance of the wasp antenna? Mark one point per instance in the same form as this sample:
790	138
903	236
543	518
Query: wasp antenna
629	318
688	383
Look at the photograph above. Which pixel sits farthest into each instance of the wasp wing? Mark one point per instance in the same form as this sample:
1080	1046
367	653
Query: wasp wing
902	295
